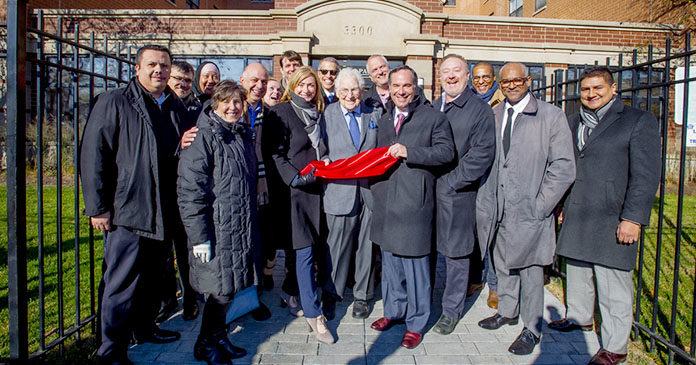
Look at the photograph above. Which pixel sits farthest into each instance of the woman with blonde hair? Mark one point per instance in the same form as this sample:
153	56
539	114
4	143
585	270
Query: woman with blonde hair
293	137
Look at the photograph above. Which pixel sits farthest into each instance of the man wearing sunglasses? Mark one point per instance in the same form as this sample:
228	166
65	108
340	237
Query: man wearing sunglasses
534	166
328	70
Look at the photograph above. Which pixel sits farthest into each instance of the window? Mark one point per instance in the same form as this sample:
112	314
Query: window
193	4
516	7
450	2
538	4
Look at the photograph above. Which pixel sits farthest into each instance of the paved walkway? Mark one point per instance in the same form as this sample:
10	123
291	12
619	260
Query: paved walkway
284	339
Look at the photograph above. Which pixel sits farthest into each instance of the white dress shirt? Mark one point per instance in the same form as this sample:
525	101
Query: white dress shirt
347	117
518	108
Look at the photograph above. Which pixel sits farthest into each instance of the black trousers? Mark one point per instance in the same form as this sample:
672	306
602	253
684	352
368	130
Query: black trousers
214	316
169	284
133	266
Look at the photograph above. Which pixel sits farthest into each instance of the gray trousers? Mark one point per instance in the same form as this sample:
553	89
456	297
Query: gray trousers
456	284
520	291
348	233
615	294
406	289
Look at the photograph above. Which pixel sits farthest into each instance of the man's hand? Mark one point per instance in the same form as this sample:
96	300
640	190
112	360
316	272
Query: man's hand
188	137
326	161
102	221
628	232
397	150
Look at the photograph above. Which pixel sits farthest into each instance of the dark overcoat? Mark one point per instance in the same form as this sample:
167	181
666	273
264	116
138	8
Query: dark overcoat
404	198
286	142
473	129
217	201
618	172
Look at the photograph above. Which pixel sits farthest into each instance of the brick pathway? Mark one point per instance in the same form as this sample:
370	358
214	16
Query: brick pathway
284	339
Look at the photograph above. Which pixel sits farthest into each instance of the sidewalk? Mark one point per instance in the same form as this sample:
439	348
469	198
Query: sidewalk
284	339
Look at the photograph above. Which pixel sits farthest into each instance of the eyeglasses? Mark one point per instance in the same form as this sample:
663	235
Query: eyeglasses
182	79
517	81
354	91
332	72
486	78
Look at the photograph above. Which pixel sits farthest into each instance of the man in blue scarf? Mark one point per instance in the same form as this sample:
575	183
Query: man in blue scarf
484	84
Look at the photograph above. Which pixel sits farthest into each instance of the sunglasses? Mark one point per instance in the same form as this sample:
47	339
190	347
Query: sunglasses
332	72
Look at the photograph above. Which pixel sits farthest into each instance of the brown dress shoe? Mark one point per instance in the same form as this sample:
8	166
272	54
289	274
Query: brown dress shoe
604	357
473	288
411	339
493	299
384	324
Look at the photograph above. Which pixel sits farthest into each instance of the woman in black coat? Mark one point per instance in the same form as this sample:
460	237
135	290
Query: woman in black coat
217	201
293	137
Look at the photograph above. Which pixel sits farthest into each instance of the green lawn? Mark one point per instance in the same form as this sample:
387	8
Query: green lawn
51	282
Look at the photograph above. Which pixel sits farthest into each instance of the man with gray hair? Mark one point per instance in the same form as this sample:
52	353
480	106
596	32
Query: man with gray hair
351	127
328	70
534	166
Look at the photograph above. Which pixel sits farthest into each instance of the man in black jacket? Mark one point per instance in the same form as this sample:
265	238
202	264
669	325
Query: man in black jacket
129	172
617	149
473	127
404	204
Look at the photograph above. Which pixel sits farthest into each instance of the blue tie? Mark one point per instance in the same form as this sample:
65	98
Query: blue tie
354	130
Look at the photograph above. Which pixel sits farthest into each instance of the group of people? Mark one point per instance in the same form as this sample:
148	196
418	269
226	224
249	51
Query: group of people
213	168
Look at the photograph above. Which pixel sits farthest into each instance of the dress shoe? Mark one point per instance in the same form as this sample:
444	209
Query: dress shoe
604	357
384	324
497	321
361	309
321	332
156	335
493	299
473	288
268	282
191	310
113	359
524	343
445	325
224	345
261	313
166	310
411	339
564	325
208	350
328	307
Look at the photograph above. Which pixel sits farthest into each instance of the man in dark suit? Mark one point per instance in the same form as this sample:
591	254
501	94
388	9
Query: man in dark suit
533	168
404	204
473	127
328	71
617	148
351	127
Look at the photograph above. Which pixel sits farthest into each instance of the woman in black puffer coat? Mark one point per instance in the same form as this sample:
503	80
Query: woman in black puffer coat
217	201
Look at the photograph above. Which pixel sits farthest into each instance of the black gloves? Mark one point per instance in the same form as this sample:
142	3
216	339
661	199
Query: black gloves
304	180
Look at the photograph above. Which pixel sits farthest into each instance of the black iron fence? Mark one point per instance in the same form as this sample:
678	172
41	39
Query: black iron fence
665	310
51	249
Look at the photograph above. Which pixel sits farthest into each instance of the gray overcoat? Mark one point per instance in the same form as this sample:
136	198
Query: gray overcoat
525	187
339	195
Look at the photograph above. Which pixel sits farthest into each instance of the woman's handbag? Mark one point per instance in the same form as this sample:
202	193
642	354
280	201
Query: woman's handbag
243	302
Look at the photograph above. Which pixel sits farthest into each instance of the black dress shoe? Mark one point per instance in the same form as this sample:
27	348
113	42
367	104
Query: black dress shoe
261	313
191	309
224	344
497	321
166	311
445	325
268	282
156	335
524	343
564	325
361	309
209	351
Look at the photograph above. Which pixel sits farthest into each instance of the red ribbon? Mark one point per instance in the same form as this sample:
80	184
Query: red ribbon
372	162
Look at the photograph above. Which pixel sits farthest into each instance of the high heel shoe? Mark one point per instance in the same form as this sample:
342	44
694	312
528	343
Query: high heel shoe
321	332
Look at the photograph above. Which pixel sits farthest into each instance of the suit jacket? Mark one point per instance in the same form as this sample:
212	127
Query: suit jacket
404	198
286	142
326	98
473	128
340	195
618	172
524	187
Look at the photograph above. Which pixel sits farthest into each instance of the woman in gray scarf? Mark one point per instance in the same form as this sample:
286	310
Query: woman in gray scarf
293	137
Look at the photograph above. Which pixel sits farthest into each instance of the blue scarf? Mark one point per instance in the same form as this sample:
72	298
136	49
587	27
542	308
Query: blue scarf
489	94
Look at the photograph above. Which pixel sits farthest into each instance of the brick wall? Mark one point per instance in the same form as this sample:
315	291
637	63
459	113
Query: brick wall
615	10
136	4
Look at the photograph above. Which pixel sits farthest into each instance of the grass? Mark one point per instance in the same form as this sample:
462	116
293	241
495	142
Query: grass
51	282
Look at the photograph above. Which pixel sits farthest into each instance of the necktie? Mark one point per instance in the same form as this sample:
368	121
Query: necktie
507	131
354	129
399	120
330	96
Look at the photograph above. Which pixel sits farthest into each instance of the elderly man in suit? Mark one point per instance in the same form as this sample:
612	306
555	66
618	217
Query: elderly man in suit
473	127
533	168
617	148
404	204
351	127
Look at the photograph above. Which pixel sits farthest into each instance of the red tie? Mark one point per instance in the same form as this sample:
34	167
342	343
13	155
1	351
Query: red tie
399	119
